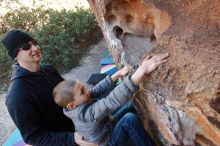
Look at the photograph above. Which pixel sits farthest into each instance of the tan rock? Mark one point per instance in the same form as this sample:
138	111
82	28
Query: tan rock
180	102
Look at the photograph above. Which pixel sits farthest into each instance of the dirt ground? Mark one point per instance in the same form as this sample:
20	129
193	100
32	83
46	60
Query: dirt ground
89	65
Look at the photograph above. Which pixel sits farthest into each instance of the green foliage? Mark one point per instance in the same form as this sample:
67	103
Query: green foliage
5	68
5	60
24	19
63	35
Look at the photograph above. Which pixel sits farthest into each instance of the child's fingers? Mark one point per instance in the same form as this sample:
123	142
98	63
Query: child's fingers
147	57
161	62
144	58
127	68
160	57
130	68
163	56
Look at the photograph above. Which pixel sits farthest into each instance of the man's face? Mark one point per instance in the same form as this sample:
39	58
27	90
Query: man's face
81	94
29	53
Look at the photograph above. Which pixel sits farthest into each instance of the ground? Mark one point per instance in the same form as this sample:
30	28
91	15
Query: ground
89	65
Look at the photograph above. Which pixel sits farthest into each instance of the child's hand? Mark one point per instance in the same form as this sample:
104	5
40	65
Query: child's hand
149	65
125	70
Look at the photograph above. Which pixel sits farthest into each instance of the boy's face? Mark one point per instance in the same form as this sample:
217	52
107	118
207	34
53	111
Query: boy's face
81	94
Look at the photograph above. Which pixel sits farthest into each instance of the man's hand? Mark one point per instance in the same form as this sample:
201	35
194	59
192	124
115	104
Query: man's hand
81	142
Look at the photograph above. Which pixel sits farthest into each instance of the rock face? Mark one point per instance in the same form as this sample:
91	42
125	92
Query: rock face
179	102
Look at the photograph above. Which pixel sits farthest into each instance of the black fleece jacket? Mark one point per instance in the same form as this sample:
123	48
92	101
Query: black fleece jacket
30	103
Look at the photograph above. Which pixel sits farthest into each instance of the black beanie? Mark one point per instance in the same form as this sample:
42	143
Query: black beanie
13	41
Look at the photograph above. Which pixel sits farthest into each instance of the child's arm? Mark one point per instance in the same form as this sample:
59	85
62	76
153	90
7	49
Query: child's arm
123	92
103	107
107	84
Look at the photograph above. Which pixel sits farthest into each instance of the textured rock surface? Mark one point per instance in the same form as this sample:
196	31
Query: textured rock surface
180	102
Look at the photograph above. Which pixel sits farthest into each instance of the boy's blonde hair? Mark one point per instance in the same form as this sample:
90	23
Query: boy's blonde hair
63	93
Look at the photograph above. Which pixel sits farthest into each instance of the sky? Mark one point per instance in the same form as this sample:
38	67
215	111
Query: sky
7	5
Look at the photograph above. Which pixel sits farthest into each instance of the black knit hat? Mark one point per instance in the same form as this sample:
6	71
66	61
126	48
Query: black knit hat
13	41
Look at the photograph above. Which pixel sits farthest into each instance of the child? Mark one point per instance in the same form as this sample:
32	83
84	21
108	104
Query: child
89	115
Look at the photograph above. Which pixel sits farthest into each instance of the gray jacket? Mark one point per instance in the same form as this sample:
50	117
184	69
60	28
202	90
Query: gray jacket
89	118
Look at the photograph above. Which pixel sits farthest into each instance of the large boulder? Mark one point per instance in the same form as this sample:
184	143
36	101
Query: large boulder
179	103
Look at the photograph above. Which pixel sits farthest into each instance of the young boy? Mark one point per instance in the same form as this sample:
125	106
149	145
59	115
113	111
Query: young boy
89	115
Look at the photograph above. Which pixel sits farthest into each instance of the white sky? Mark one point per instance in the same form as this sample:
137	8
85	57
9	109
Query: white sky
5	6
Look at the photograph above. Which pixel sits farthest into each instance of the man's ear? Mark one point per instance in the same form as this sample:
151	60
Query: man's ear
71	106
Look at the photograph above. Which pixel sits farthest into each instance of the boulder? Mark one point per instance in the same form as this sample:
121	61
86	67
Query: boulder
179	103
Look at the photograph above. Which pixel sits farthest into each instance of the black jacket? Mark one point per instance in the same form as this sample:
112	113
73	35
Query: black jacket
30	103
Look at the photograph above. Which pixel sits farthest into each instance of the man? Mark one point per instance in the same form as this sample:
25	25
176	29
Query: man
29	99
